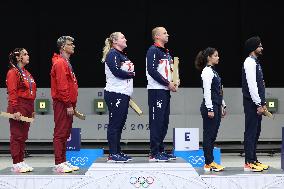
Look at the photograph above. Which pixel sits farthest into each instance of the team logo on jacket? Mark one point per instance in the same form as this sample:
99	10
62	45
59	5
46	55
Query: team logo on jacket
127	66
118	102
159	103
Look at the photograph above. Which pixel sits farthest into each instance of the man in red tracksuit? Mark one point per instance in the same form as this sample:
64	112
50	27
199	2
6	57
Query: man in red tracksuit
64	92
21	89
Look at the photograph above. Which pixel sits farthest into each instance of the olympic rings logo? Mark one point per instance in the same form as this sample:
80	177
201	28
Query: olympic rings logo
196	160
79	160
143	182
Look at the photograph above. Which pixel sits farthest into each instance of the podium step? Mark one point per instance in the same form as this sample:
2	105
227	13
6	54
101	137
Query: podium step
140	173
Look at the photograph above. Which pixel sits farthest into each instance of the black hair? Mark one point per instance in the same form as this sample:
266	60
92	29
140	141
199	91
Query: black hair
13	61
201	58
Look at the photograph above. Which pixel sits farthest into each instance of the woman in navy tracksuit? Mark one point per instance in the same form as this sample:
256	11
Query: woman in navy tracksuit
213	105
119	72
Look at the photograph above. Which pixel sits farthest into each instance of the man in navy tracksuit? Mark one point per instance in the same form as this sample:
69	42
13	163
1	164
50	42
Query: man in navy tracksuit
159	75
253	89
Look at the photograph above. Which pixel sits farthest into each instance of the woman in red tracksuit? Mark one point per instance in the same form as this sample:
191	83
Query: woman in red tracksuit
21	89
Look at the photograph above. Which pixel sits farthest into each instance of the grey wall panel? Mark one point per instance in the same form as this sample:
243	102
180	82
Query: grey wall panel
136	128
178	105
231	128
4	129
184	113
42	128
234	100
193	98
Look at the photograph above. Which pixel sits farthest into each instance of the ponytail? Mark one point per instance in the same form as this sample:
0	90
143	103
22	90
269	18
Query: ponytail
199	61
108	44
13	61
106	48
201	58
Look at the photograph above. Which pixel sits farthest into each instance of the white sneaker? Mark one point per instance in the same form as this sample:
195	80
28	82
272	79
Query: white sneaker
73	167
62	168
29	168
19	168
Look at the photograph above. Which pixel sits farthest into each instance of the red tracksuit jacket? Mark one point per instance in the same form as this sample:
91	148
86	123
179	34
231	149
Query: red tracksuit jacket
19	87
64	85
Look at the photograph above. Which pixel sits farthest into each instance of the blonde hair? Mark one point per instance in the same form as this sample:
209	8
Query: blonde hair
155	31
108	44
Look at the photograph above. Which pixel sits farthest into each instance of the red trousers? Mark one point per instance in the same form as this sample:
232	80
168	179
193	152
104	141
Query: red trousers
19	130
62	130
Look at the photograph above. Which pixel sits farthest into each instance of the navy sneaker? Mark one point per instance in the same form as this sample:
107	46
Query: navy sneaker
129	158
158	158
169	156
116	158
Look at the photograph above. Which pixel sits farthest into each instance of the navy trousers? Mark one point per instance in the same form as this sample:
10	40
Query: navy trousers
210	130
118	109
159	112
252	130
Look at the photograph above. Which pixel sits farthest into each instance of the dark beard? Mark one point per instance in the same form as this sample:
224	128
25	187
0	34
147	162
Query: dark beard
258	54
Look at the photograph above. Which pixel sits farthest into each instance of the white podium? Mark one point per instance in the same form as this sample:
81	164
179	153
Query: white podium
140	173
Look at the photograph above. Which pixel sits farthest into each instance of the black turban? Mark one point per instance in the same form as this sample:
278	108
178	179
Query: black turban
251	44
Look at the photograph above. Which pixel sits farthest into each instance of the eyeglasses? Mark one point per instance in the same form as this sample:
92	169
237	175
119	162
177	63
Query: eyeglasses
69	44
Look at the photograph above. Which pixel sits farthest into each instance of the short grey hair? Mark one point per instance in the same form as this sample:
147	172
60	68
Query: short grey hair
61	41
